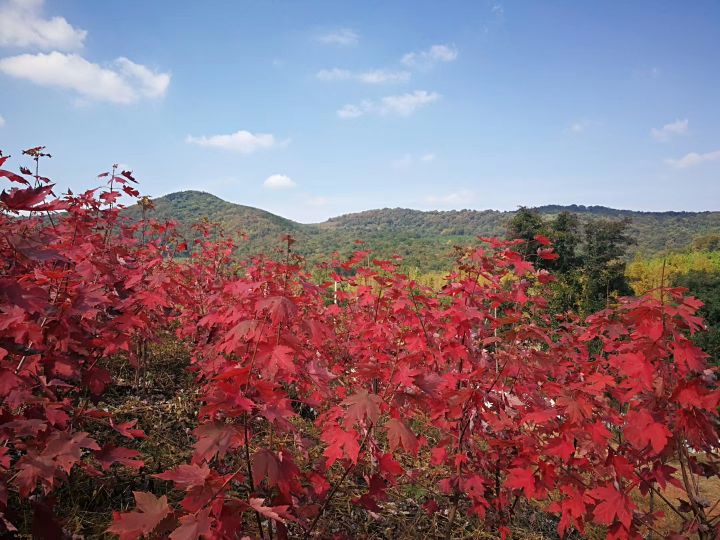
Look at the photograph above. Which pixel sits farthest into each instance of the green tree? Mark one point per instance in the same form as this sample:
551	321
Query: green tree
705	286
525	225
603	268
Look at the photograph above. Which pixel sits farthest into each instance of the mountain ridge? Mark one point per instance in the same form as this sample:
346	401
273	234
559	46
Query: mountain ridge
420	236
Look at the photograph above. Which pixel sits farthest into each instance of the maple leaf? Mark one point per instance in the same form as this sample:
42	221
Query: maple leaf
612	505
108	455
280	308
689	357
33	468
97	380
11	175
151	510
278	468
127	429
547	254
26	198
362	405
8	382
193	526
281	358
341	443
642	429
521	478
214	439
388	465
276	513
186	476
400	435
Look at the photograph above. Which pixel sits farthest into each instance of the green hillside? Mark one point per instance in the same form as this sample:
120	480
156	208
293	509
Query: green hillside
420	237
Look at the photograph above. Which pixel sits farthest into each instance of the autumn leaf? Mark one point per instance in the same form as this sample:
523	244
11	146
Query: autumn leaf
186	476
150	512
400	435
362	405
109	455
193	526
522	478
642	430
611	505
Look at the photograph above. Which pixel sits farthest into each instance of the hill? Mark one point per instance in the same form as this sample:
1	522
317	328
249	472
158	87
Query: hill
418	236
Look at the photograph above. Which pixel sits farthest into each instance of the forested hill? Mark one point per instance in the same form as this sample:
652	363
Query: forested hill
419	236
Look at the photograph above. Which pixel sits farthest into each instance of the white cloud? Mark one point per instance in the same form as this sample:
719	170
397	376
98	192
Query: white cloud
350	111
123	82
149	83
406	104
279	181
400	105
22	25
377	76
407	160
453	200
342	36
430	57
693	158
334	74
668	131
241	141
2	121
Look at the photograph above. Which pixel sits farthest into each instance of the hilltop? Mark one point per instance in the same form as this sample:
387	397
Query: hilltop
419	236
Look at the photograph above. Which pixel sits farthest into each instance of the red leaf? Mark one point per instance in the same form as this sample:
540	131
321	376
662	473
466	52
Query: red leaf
642	429
12	176
542	240
400	435
186	476
612	505
214	439
520	478
109	455
150	512
193	526
25	199
279	308
362	405
276	513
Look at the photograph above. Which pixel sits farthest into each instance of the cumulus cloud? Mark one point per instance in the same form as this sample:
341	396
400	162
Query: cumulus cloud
668	131
427	157
399	105
122	82
241	141
430	57
377	76
341	36
693	158
22	24
279	181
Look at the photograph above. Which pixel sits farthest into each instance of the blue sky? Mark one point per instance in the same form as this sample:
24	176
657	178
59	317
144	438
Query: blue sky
313	109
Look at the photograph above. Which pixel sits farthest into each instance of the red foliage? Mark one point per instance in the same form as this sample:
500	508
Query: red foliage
75	289
476	391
